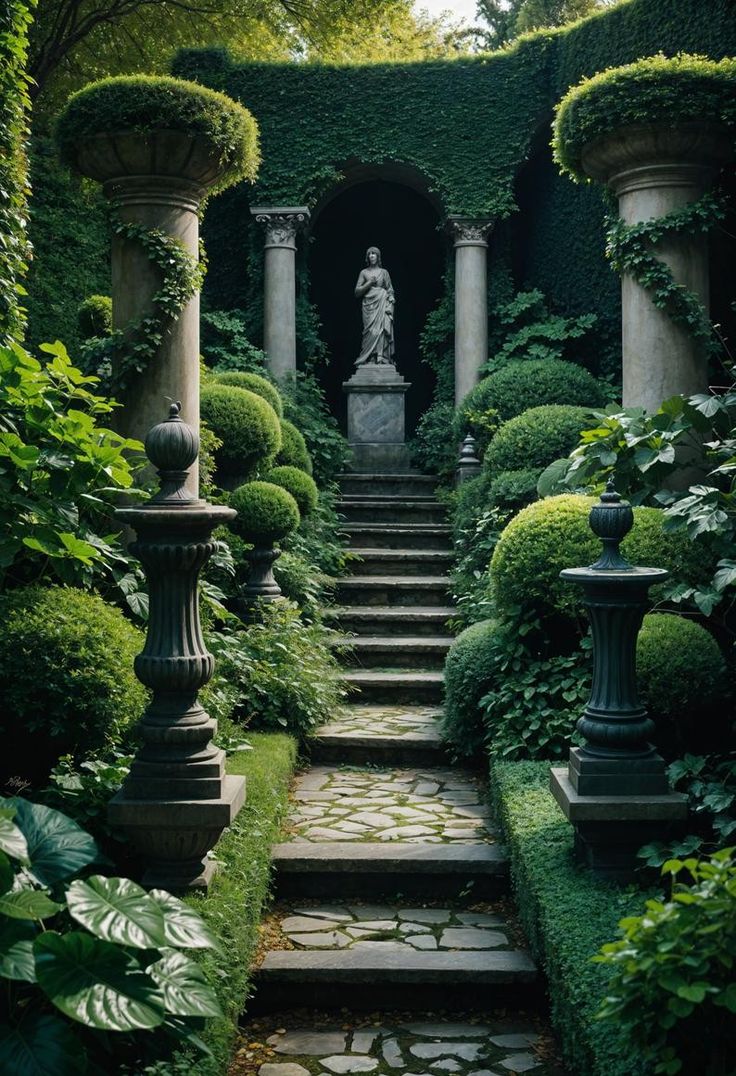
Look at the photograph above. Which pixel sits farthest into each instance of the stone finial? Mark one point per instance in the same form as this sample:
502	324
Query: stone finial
172	447
611	520
468	464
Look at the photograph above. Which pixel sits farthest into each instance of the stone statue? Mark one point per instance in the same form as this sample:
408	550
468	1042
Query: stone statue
374	287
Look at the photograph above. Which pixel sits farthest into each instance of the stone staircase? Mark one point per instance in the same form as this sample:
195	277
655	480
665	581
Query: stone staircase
391	884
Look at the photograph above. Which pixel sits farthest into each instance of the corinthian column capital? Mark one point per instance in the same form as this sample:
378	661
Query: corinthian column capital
282	223
470	231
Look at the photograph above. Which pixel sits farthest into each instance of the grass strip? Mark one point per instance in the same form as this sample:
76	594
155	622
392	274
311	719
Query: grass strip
567	914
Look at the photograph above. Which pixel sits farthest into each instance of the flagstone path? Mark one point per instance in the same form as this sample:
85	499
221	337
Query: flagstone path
391	879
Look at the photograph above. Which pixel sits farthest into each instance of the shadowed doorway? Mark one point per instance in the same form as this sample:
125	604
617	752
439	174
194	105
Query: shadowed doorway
403	224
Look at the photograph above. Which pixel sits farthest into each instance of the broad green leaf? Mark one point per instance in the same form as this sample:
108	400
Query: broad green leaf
28	904
7	875
185	990
117	910
12	840
16	951
184	928
41	1045
57	847
96	982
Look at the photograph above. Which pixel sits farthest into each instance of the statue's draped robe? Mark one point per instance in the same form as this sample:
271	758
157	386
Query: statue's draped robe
378	318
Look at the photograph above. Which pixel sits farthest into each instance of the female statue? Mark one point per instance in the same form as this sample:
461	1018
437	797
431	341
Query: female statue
374	287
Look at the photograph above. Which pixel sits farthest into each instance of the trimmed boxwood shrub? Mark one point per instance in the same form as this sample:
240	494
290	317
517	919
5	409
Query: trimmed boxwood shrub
293	451
300	485
247	426
529	383
658	90
254	383
266	513
511	490
66	677
536	438
470	669
145	103
553	534
94	317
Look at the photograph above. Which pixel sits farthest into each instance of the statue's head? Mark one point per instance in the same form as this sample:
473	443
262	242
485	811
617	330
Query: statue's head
373	256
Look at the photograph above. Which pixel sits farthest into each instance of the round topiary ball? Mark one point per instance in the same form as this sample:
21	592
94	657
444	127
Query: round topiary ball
529	383
266	513
66	677
470	669
293	452
536	438
246	424
512	490
300	485
553	534
254	383
94	317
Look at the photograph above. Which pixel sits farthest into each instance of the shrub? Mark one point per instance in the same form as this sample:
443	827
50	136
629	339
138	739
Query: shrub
293	451
655	90
474	415
246	425
146	103
681	673
254	383
528	383
266	512
66	676
94	317
305	408
672	988
553	534
536	437
225	344
512	490
300	485
470	668
430	448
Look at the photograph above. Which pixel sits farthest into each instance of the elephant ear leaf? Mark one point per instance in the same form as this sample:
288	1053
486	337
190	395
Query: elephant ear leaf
12	841
16	952
41	1045
28	904
117	910
97	983
186	991
57	847
184	928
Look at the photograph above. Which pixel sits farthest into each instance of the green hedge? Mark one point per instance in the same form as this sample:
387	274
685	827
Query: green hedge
656	90
299	484
293	451
254	383
15	18
531	383
266	512
567	914
145	103
245	424
536	438
470	668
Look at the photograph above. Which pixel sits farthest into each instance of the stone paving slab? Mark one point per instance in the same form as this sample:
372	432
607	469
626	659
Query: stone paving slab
428	806
379	722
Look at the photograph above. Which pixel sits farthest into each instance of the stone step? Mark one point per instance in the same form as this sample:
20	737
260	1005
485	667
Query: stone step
393	590
395	536
402	561
399	621
382	736
454	870
408	651
395	685
397	485
364	956
391	510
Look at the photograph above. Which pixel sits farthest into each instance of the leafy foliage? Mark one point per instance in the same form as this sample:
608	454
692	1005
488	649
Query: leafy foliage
430	448
526	328
300	485
94	316
293	451
245	424
672	988
266	512
535	438
533	382
254	383
225	343
512	490
87	957
470	668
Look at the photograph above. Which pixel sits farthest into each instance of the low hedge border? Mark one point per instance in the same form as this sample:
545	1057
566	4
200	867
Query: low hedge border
567	914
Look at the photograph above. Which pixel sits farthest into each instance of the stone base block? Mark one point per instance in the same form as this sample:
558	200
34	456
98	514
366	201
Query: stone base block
376	406
610	830
382	458
613	777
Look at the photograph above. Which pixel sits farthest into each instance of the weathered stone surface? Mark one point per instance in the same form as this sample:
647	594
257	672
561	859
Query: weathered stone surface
282	1068
392	1054
516	1041
446	1065
471	938
469	1051
308	1043
442	1030
521	1063
347	1063
330	939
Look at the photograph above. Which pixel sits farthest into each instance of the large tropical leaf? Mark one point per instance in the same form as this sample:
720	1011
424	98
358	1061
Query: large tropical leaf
7	874
96	982
184	928
41	1045
57	847
117	910
12	840
16	951
28	904
186	991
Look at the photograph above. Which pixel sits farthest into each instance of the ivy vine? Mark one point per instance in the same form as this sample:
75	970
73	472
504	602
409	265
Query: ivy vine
631	249
127	351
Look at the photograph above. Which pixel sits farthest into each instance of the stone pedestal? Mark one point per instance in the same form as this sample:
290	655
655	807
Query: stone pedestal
279	285
471	301
654	171
376	431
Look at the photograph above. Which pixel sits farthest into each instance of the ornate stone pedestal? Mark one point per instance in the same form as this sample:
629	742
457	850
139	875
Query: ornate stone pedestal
376	431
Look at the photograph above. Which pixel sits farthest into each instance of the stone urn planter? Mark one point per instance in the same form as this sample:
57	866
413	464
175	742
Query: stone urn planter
656	133
266	514
159	147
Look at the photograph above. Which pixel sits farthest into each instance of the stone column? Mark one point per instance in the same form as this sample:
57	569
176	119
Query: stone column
654	172
471	300
279	285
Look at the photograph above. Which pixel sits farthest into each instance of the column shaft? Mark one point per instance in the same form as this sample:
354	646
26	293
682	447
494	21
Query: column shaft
471	303
279	286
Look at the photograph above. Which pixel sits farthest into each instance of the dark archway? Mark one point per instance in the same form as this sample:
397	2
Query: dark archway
403	223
